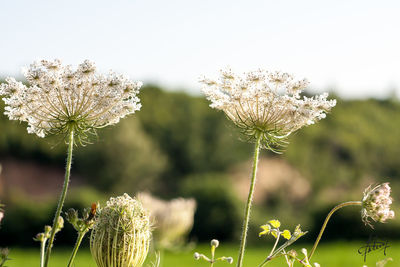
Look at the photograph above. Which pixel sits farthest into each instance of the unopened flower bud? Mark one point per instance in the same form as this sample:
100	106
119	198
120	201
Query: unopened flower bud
47	229
39	237
60	224
121	234
292	253
214	243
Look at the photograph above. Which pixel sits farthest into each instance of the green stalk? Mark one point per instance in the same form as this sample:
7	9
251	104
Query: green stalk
249	202
42	249
349	203
62	197
212	256
75	250
272	252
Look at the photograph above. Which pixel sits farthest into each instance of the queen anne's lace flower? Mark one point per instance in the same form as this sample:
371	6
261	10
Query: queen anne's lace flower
61	99
376	204
266	103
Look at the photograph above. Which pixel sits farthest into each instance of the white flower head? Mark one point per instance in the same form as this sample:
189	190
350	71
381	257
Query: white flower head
265	103
60	98
376	204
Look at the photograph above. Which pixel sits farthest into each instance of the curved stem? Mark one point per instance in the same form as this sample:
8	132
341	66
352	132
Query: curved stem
62	197
249	201
350	203
75	250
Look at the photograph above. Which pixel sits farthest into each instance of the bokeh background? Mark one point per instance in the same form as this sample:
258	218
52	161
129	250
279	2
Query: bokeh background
176	145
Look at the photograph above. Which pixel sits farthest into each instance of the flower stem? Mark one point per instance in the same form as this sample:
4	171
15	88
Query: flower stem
349	203
272	251
75	250
249	202
42	249
212	256
62	197
276	243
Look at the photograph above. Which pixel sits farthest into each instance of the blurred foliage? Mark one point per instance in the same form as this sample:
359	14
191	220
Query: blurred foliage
123	158
219	212
356	144
25	218
177	146
195	138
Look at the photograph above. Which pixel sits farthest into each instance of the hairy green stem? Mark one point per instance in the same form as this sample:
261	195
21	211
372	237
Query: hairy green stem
249	202
75	250
62	197
349	203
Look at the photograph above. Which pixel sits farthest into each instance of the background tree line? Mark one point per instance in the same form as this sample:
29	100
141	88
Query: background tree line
177	146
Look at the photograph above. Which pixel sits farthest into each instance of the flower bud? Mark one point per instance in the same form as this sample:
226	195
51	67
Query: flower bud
214	243
229	260
121	235
47	230
39	237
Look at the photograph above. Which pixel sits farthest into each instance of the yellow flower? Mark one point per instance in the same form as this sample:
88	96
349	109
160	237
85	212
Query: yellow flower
266	229
274	233
286	234
275	223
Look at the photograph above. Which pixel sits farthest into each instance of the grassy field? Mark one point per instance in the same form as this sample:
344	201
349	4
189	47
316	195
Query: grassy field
341	254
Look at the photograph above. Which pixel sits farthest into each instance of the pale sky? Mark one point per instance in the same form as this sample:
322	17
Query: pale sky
351	45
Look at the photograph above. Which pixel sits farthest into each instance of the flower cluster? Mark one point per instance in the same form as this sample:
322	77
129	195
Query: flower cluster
376	204
60	98
172	219
121	234
272	227
85	222
44	236
266	104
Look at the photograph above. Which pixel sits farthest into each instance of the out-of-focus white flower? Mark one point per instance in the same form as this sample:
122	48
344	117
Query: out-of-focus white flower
60	99
121	234
266	103
172	219
376	204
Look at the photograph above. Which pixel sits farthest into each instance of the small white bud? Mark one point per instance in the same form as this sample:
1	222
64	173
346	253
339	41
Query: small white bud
214	243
